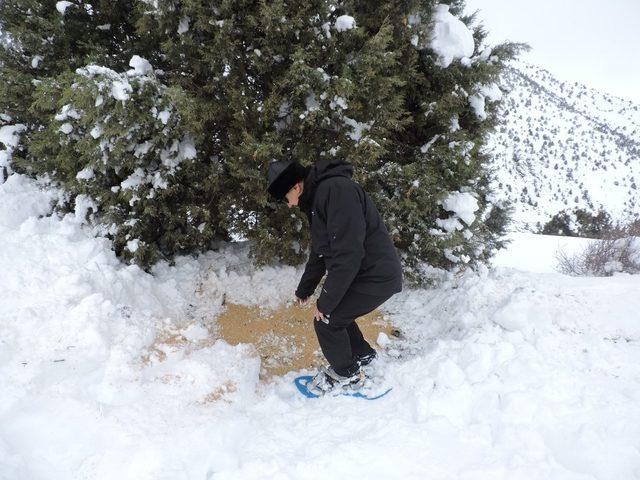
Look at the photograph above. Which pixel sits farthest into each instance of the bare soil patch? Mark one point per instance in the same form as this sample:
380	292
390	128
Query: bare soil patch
284	338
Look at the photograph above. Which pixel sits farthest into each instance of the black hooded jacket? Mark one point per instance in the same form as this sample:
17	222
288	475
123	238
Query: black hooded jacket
349	239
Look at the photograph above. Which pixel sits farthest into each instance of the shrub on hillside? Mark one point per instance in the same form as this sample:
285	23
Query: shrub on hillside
578	223
617	251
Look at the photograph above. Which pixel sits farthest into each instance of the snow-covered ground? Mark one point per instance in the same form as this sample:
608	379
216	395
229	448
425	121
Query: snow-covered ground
514	373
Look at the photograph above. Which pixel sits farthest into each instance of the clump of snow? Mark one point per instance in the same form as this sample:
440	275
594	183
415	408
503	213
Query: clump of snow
63	5
164	116
613	266
35	61
491	92
454	126
85	174
463	148
187	148
485	54
178	151
449	224
326	28
90	71
159	181
133	245
383	340
463	205
141	66
311	103
134	180
10	134
477	101
425	148
142	149
121	90
96	132
84	204
357	128
66	128
66	113
183	26
344	22
450	39
10	138
634	246
338	101
449	255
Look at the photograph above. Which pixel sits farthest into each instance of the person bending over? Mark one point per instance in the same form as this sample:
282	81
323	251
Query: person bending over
350	242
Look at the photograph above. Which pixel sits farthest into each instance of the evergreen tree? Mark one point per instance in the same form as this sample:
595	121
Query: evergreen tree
244	83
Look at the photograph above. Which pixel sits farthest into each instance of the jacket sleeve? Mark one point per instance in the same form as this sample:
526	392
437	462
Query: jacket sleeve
313	273
346	228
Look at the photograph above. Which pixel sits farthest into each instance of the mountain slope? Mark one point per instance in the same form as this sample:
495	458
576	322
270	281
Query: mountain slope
564	146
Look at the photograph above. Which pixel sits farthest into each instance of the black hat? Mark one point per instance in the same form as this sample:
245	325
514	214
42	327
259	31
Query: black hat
282	176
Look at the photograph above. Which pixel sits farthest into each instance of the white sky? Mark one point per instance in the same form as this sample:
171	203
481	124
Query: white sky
594	42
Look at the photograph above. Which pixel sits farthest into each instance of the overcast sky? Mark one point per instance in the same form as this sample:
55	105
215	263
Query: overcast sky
594	42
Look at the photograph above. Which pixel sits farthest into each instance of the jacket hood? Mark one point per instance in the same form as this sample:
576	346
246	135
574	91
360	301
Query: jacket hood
320	171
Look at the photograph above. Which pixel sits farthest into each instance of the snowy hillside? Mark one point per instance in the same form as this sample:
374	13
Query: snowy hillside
504	374
564	146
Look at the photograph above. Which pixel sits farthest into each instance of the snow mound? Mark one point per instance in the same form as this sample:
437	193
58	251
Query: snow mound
451	39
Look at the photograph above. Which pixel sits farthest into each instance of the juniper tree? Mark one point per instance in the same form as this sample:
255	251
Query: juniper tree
252	82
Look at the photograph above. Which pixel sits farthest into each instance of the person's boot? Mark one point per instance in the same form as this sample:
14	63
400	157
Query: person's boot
327	380
366	359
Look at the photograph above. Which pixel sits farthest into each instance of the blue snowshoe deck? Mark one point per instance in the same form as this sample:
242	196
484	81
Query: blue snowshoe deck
302	381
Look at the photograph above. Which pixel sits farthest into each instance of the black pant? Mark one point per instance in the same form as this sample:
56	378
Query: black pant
341	340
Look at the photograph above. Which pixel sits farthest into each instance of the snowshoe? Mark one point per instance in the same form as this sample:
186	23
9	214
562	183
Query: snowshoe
327	380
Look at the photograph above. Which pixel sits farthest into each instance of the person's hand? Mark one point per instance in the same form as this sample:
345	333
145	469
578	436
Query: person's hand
319	316
301	301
